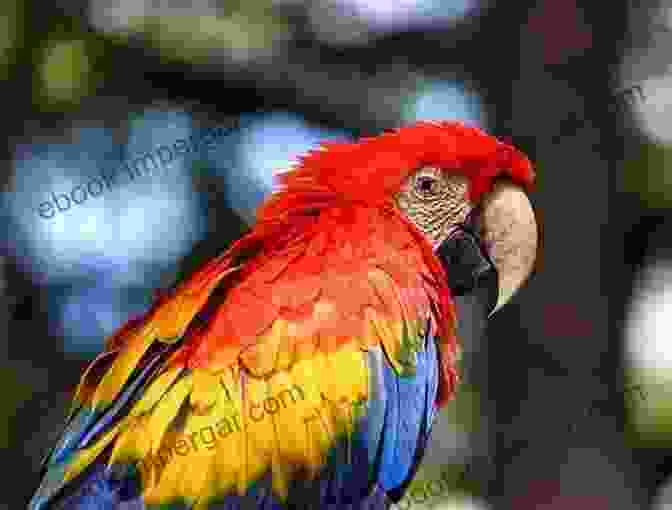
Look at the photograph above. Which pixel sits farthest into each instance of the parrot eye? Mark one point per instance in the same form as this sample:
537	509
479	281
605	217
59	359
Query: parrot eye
426	185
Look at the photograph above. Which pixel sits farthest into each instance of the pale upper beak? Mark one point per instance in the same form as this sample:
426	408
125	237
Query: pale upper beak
509	232
492	254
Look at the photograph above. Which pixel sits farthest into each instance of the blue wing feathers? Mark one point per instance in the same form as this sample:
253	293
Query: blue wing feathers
409	408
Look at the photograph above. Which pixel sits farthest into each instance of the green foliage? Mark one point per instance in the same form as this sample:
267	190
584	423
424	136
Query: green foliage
11	22
648	174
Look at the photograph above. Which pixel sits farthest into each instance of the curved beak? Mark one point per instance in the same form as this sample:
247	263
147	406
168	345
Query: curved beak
510	235
492	254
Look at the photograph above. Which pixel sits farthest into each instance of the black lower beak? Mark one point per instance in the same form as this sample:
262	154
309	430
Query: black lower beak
469	268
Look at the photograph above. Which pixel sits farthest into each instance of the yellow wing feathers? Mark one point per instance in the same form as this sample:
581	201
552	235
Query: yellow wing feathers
217	433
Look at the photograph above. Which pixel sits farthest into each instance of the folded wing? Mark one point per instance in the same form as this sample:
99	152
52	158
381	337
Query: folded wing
294	373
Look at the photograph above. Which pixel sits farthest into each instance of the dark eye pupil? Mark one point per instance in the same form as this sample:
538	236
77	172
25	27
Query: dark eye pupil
426	184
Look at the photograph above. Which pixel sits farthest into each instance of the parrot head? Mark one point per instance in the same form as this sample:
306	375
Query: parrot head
462	190
488	245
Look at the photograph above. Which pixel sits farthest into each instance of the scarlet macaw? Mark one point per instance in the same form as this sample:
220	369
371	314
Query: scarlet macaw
303	367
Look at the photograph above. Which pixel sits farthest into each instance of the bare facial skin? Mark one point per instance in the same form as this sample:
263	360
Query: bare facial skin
435	202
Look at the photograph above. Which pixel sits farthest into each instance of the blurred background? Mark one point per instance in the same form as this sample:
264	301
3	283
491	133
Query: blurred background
547	416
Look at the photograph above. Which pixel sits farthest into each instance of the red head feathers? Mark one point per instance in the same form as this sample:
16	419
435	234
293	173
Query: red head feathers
372	170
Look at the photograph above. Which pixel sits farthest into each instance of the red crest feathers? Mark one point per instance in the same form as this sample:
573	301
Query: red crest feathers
373	169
